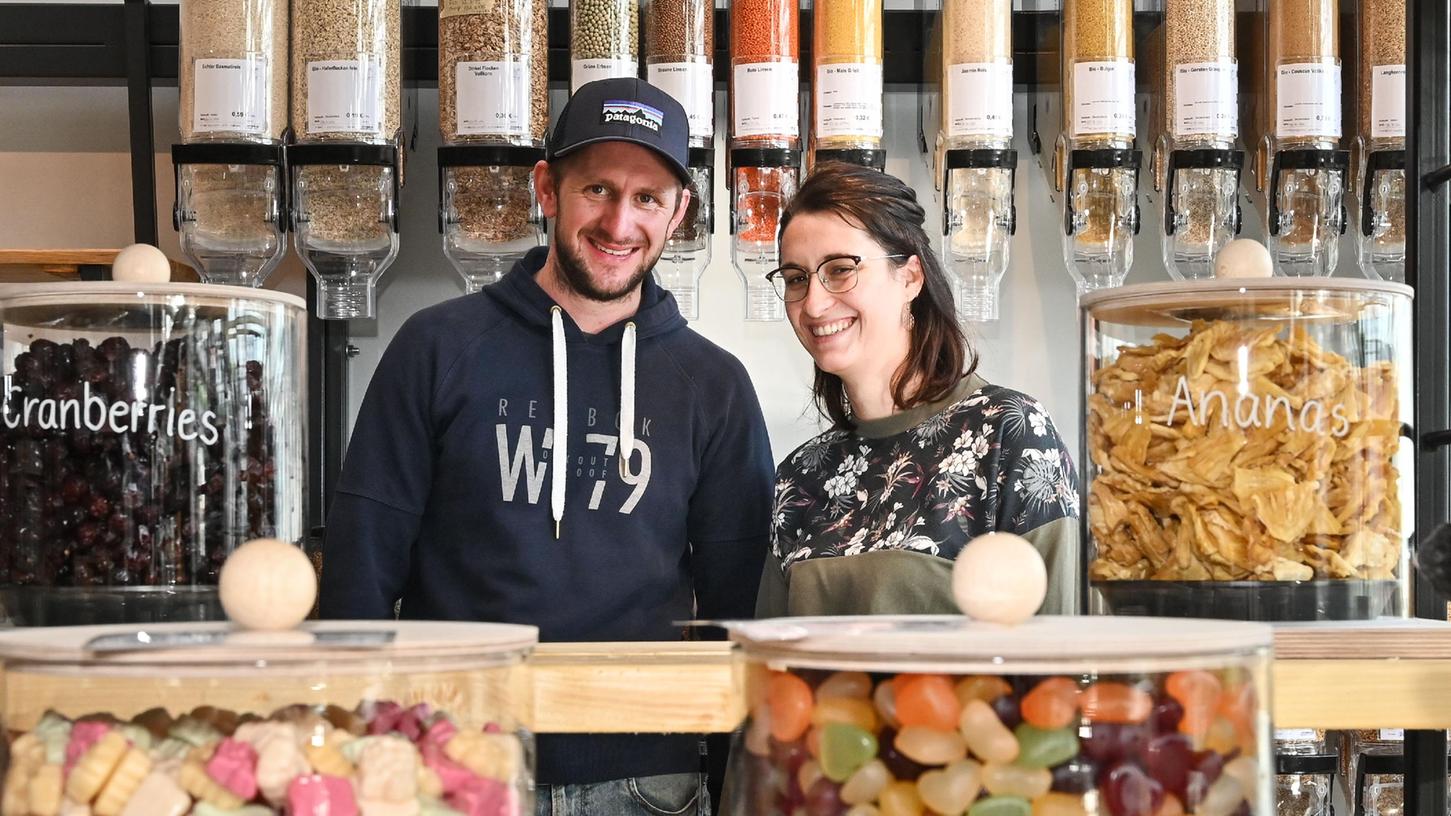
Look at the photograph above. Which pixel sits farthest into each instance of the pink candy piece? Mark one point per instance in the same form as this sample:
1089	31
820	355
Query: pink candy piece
493	728
438	734
483	797
234	767
385	718
318	795
410	722
83	735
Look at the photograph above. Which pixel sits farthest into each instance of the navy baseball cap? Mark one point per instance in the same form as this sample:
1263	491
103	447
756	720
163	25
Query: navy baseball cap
624	109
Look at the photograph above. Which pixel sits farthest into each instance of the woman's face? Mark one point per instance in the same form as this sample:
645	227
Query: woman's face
859	334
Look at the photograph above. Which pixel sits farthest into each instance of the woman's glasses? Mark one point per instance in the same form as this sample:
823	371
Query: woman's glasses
837	274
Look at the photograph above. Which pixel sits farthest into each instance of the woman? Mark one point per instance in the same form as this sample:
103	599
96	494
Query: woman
923	455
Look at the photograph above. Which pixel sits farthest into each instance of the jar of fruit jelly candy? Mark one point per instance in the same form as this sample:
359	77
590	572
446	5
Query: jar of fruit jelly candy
335	717
148	430
1061	716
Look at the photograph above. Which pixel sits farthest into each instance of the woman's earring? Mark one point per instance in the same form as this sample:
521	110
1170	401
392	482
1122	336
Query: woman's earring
909	320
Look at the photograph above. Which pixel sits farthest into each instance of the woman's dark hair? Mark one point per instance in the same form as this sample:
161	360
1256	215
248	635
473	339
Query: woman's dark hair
938	357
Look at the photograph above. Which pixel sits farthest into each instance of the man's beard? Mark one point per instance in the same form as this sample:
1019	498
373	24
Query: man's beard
575	275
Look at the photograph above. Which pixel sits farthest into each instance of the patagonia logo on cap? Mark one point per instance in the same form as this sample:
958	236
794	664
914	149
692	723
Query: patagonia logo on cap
631	113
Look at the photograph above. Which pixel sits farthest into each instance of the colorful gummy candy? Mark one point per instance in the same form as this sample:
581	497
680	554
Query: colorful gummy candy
982	745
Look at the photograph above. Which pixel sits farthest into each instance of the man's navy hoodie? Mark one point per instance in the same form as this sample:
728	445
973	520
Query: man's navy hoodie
445	503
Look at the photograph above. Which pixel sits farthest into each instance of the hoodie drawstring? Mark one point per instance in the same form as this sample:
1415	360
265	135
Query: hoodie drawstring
560	459
627	400
561	420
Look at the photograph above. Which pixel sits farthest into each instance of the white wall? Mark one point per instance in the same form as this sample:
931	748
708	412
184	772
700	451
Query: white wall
65	182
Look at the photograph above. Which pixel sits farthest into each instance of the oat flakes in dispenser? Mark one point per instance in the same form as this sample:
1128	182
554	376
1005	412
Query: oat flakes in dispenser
1244	453
149	429
338	717
1060	716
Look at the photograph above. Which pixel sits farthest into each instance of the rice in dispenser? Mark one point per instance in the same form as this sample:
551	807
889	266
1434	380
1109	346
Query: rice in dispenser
1244	454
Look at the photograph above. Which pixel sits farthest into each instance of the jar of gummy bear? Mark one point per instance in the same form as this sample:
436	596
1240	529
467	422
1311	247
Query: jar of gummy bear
1061	716
336	717
148	430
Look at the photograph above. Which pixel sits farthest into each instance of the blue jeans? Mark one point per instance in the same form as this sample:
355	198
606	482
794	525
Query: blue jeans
668	795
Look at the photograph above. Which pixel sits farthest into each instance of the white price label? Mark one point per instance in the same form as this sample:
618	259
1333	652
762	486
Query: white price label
1393	734
1308	96
1388	102
343	96
230	95
492	98
583	71
1295	735
691	85
1206	99
765	96
980	99
849	100
1103	97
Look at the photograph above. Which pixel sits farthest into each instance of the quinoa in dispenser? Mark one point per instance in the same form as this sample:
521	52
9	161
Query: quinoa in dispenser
149	429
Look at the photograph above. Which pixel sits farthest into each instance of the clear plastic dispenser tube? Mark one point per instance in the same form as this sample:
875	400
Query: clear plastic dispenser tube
764	181
230	188
1096	157
978	162
1307	172
1195	127
1380	146
846	89
687	250
346	165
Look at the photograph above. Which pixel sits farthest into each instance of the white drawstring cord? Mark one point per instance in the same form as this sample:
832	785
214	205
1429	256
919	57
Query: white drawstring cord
561	421
627	400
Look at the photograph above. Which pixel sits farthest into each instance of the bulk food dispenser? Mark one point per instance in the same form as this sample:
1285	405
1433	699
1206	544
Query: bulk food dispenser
1299	169
1380	145
493	115
1195	123
149	430
230	191
1058	716
765	141
978	163
679	59
846	91
1095	163
346	163
604	40
1244	449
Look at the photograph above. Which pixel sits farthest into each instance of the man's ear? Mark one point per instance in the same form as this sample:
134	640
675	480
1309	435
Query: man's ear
680	210
546	188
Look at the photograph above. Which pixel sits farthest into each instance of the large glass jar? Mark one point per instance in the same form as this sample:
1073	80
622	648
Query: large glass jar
1244	449
941	714
339	717
148	431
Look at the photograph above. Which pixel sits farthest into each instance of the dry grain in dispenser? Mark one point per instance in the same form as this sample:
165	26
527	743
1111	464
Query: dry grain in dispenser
1381	140
604	40
847	89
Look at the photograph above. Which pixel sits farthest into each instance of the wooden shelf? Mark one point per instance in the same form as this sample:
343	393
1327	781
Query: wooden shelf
40	265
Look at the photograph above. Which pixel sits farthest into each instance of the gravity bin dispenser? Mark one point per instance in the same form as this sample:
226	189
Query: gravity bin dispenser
1300	171
1380	144
1194	116
493	115
975	137
846	88
228	168
679	59
346	163
765	143
1095	164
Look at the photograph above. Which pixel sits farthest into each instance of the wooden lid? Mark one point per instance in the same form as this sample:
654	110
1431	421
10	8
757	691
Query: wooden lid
1179	303
121	292
1044	644
412	640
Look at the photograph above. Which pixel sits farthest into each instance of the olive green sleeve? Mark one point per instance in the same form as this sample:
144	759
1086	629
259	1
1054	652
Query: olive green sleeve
771	598
1057	541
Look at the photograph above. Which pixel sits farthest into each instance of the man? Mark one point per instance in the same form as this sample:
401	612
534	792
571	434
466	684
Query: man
561	450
